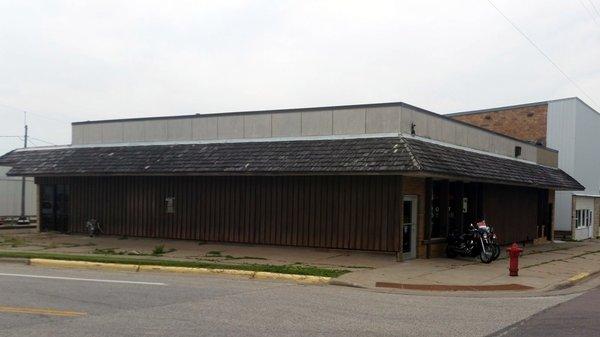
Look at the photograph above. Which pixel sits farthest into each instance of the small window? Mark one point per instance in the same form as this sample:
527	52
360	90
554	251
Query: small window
408	212
517	151
170	205
583	218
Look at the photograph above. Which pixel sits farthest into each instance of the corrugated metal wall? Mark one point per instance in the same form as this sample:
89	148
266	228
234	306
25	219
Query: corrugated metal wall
10	195
351	212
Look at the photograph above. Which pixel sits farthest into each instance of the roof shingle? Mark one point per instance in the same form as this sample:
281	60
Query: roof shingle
332	156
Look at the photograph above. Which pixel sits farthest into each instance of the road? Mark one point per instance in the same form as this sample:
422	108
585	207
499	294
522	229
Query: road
577	317
37	301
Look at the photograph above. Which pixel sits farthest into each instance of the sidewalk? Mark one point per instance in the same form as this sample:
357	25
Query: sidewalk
543	267
223	253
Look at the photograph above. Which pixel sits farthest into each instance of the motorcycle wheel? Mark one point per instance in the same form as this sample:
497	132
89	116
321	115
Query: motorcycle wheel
496	251
487	256
450	252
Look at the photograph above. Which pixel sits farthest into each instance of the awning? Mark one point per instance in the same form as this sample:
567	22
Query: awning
376	155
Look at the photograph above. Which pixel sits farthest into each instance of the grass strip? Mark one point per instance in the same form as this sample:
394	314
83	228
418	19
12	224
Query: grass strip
282	269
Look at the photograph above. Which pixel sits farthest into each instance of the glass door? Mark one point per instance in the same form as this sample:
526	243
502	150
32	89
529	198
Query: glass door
409	228
54	207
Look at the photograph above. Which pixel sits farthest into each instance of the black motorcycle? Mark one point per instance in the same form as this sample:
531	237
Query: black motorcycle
494	242
477	241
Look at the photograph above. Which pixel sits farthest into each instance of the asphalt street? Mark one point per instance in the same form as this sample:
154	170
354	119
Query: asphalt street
577	317
37	301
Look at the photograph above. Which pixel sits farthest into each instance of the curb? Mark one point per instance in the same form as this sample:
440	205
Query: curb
576	279
20	260
301	279
335	282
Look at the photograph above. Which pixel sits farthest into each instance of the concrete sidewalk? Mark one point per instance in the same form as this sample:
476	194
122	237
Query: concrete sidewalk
224	253
543	267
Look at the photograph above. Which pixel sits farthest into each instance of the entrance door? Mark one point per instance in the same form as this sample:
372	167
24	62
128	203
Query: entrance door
54	206
409	228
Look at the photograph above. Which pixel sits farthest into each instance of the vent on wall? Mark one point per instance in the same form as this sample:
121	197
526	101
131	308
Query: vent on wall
517	151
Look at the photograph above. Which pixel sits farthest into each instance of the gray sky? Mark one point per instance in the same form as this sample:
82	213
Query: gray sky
69	61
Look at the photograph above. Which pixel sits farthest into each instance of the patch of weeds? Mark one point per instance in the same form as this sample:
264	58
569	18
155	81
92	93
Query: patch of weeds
54	245
158	250
13	241
124	237
200	243
69	245
108	251
231	257
214	253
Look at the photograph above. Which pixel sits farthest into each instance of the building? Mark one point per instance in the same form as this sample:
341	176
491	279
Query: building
570	126
10	196
382	177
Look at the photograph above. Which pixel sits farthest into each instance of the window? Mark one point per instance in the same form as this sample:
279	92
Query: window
518	151
583	218
170	205
408	212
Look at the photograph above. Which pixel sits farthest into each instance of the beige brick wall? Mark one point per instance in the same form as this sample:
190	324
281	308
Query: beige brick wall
524	123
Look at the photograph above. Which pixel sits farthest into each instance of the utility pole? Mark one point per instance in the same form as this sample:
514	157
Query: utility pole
23	219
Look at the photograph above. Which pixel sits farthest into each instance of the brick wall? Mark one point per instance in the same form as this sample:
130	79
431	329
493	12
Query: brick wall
524	123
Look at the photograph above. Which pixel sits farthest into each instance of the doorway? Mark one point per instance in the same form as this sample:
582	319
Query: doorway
409	227
54	208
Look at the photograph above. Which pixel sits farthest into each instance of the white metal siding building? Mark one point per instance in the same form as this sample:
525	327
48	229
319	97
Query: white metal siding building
574	130
10	195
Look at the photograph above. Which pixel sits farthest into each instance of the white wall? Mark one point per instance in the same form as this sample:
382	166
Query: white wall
587	148
10	195
355	120
561	136
574	130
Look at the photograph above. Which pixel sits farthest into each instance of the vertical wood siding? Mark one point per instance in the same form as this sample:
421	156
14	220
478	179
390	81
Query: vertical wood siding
351	212
512	211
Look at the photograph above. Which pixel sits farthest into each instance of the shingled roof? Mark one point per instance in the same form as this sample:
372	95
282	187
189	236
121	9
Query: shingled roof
381	155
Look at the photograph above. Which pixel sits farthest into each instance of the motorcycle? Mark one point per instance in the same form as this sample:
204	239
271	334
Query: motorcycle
493	238
477	241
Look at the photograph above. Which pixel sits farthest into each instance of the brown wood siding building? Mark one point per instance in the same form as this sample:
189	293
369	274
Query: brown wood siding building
348	212
343	212
398	194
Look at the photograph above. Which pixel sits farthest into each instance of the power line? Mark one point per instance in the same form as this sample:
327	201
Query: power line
21	138
587	10
34	113
543	53
41	140
594	7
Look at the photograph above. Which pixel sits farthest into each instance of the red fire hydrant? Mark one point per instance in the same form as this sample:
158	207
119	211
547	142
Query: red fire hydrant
513	262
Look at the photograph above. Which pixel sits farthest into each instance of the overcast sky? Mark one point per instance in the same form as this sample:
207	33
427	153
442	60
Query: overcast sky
68	61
